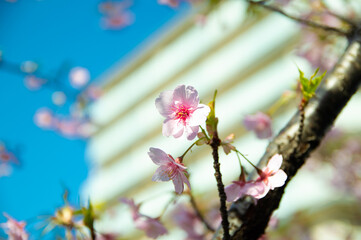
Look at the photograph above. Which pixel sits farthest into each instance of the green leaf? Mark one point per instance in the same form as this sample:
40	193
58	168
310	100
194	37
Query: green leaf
309	86
89	216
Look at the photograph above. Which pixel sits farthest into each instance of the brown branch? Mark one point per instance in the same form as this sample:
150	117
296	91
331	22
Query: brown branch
215	143
199	214
303	21
249	221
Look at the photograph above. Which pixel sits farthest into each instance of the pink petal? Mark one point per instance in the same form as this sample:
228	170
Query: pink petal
257	189
274	163
232	192
178	183
278	179
179	133
192	132
185	180
161	174
172	127
164	103
158	156
186	95
152	227
192	98
199	116
249	122
264	133
180	94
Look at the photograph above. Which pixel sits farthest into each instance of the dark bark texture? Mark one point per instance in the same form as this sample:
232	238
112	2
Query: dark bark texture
249	221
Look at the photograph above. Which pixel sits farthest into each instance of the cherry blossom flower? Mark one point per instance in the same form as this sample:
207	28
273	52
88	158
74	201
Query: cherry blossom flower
14	229
260	123
182	111
239	189
169	169
152	227
271	177
79	77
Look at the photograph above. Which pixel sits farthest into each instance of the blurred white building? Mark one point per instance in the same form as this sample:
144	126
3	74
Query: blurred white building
249	61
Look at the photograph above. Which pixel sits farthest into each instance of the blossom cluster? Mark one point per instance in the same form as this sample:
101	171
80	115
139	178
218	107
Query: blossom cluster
183	114
74	126
269	178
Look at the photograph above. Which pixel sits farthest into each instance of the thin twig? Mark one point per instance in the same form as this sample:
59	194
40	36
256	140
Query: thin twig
301	20
198	213
216	142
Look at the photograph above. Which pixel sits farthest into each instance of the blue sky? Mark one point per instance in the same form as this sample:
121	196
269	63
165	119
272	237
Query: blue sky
51	32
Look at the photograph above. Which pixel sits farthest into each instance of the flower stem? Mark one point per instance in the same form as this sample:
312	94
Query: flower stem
215	143
190	147
198	213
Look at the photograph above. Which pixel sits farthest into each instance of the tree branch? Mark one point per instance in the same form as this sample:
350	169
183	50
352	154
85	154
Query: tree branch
303	21
249	221
215	143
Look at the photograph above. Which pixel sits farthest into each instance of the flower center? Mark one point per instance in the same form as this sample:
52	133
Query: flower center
182	113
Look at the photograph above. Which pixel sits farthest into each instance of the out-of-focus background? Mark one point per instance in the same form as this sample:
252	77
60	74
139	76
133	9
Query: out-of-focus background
79	81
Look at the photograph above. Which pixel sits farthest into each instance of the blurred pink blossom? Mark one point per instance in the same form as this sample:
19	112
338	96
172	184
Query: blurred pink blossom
107	236
152	227
79	77
118	21
116	14
170	3
182	111
67	127
93	92
14	229
260	123
33	83
186	219
44	118
169	169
